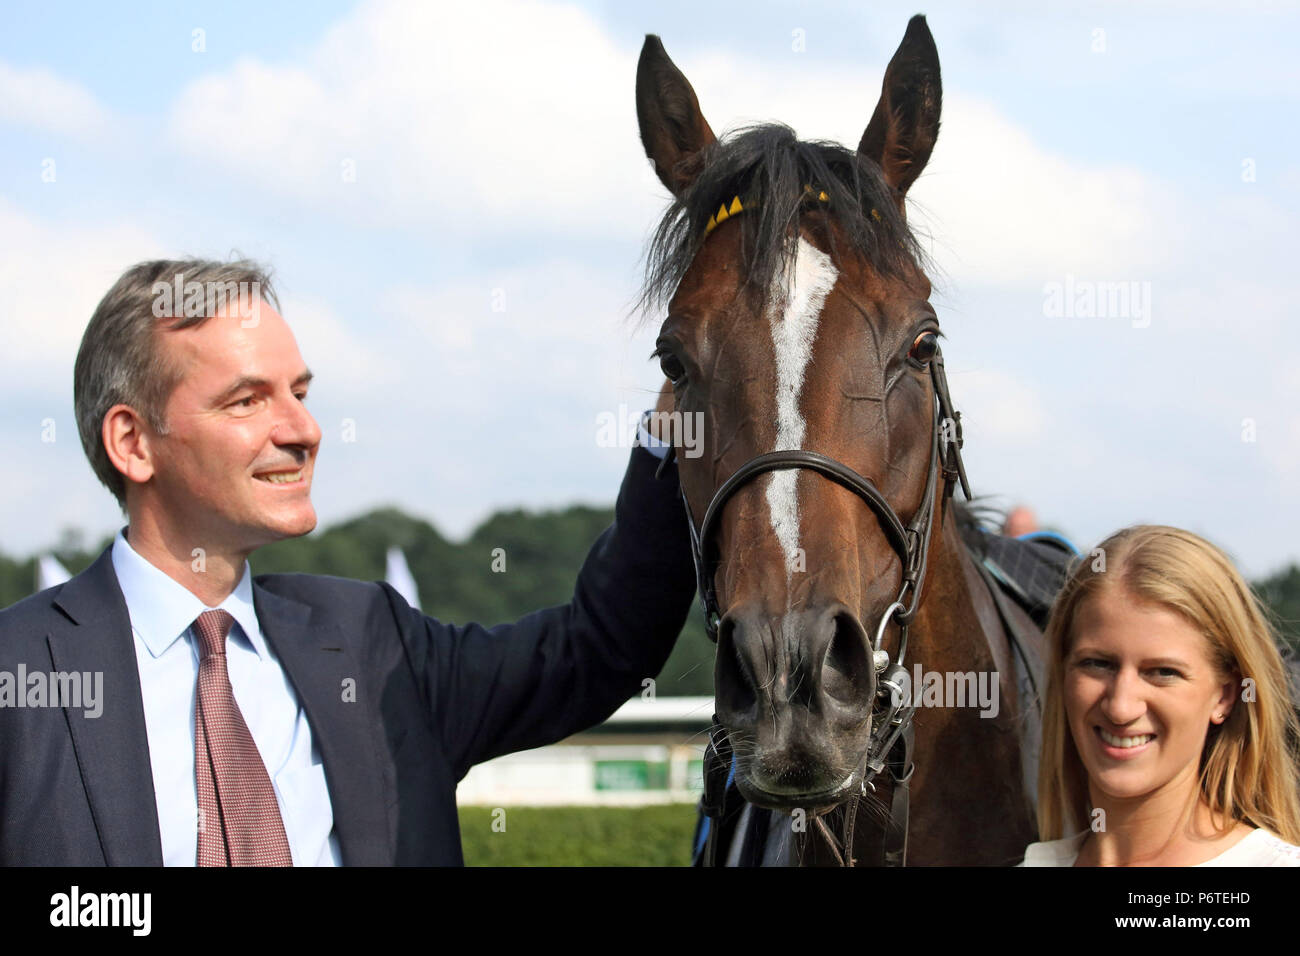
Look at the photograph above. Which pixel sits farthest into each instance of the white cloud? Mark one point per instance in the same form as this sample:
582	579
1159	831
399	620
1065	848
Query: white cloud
505	116
341	354
52	276
469	408
1000	408
504	120
1002	209
551	328
492	113
46	101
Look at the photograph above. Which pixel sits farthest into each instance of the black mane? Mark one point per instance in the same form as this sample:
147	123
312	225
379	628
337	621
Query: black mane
769	166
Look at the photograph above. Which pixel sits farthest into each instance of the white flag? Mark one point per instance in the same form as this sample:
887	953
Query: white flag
399	576
50	572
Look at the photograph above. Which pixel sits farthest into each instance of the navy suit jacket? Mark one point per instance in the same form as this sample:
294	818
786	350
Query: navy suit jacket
431	699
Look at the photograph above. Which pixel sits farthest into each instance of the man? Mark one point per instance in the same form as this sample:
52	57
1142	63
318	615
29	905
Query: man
290	719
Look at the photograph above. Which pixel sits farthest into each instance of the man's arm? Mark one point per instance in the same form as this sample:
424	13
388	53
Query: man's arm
563	669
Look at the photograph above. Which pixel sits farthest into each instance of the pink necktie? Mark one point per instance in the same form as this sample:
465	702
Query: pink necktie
239	820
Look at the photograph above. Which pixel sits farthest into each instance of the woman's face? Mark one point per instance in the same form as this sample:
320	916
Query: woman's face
1140	695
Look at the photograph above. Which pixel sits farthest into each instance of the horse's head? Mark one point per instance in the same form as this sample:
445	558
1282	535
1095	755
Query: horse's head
798	318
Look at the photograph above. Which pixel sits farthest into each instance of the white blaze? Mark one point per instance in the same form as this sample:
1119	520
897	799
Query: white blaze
800	290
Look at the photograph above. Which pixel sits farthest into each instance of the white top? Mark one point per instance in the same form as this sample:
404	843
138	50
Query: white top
1258	848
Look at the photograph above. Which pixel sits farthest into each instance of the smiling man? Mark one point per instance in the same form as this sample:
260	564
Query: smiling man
226	466
288	719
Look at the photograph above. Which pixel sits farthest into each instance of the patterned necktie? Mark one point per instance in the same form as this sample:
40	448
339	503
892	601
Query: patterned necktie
239	820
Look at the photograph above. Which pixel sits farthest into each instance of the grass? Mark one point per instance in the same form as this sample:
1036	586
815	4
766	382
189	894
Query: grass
578	836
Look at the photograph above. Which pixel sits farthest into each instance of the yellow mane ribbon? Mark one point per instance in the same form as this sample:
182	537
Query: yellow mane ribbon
736	207
726	212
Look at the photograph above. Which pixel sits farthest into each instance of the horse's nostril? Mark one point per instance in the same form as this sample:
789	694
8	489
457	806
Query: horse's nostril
731	679
847	667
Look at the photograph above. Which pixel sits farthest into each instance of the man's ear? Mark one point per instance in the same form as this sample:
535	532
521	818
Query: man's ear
126	440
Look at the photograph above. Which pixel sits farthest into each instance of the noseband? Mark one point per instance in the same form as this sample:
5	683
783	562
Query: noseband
891	736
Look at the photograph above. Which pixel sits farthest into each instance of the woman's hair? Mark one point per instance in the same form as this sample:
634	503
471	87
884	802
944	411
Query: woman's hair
1250	766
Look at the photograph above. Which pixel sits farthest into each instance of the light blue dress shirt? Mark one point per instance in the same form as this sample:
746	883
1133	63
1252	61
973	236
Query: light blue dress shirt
647	441
162	615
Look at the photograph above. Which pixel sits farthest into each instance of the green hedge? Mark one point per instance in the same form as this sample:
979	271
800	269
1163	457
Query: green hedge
579	836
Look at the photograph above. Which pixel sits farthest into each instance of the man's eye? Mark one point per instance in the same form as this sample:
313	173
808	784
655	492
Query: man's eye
246	402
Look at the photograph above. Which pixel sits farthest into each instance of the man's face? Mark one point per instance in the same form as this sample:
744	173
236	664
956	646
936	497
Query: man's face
234	470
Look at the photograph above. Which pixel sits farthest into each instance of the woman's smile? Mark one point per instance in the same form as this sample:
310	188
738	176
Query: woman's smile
1140	693
1124	747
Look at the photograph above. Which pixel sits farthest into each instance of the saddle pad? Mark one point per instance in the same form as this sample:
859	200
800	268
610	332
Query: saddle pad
1030	569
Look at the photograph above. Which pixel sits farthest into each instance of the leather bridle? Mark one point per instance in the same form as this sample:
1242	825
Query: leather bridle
891	738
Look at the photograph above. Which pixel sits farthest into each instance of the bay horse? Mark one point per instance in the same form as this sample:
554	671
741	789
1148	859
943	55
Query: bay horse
800	334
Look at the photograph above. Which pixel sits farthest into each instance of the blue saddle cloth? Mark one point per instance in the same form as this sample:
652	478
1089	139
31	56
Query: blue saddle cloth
1030	569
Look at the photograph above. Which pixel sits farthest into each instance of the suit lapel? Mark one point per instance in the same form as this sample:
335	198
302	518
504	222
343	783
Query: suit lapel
319	662
112	749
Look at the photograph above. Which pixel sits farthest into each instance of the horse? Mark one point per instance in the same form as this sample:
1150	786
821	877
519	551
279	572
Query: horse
800	335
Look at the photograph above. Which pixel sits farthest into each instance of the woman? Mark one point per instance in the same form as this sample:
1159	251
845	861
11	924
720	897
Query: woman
1169	735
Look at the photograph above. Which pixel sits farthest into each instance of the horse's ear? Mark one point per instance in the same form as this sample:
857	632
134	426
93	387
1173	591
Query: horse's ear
905	125
672	127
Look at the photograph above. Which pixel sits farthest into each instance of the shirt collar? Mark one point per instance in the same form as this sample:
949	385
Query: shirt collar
163	609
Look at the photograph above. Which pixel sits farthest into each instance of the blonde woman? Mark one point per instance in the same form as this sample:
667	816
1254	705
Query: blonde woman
1169	734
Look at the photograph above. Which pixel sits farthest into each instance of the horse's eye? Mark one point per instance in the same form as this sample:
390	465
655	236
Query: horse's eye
672	367
923	349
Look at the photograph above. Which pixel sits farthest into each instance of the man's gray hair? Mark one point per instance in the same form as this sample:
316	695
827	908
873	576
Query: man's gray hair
120	363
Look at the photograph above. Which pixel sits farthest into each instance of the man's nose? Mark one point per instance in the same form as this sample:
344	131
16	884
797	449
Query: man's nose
296	425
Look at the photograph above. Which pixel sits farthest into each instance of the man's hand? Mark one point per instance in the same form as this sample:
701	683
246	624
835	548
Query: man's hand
659	420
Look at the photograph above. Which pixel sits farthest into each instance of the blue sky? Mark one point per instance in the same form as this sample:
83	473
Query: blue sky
496	161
